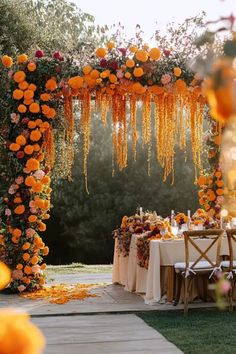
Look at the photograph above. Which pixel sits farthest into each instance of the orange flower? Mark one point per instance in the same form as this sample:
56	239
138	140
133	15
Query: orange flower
28	102
34	108
218	174
37	187
46	180
101	52
15	239
51	85
141	55
40	157
43	266
7	61
31	124
22	108
177	71
4	281
45	251
20	209
19	76
130	63
14	147
16	232
30	181
138	88
28	94
17	94
35	135
220	191
17	200
113	78
29	149
32	87
51	114
31	66
19	266
32	218
201	181
95	74
21	140
87	69
76	82
26	246
127	75
22	58
26	280
138	72
46	216
155	53
110	45
27	270
36	147
32	164
26	256
217	140
23	85
34	260
45	97
133	49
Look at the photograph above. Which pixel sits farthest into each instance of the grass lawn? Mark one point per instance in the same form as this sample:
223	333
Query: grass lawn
203	331
76	268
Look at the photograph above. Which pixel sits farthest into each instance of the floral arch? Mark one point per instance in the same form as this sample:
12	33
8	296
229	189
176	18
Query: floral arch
39	98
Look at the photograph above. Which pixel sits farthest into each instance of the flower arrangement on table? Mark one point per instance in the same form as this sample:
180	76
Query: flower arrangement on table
181	219
201	217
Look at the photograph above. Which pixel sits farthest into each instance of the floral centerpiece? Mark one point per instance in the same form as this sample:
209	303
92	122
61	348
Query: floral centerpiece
181	219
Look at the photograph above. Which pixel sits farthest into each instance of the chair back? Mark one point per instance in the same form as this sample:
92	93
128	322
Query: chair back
211	251
231	237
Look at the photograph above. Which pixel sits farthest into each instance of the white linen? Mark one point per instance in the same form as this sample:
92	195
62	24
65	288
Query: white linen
120	266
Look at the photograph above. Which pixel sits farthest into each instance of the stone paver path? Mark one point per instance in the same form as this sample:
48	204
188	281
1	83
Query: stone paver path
102	334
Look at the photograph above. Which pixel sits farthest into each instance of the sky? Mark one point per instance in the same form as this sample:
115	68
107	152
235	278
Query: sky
152	14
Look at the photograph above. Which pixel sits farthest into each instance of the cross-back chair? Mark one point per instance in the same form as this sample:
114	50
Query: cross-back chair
229	267
203	263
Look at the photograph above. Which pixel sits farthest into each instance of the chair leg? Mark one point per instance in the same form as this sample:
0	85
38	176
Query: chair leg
178	279
186	289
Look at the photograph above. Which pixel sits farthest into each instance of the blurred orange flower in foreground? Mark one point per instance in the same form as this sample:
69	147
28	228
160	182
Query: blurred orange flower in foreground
18	335
5	278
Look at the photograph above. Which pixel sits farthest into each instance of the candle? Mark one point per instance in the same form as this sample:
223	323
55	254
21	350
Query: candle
189	218
172	218
141	211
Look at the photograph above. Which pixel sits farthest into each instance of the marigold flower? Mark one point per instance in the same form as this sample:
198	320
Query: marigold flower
17	200
21	140
130	63
37	187
29	149
45	97
19	76
32	164
110	45
19	266
15	239
17	232
37	147
133	48
45	250
113	78
155	53
35	135
34	108
177	71
22	58
220	191
46	180
23	85
27	270
218	174
14	147
28	102
40	157
28	94
95	74
22	108
26	256
138	72
17	94
87	69
31	124
138	88
32	87
51	114
101	52
20	209
141	55
43	266
30	181
26	246
31	66
34	260
51	85
76	82
7	61
127	75
26	280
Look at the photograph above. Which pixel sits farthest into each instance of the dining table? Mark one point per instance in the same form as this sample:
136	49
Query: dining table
157	283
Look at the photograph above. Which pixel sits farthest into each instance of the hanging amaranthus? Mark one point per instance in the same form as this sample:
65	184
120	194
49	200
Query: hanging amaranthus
49	148
133	123
85	124
69	133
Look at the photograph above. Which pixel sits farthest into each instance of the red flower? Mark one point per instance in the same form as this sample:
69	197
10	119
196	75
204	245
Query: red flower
123	51
20	154
103	63
57	55
25	120
113	65
39	54
166	52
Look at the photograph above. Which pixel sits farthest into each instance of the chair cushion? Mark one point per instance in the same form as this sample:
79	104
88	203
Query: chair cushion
225	264
199	265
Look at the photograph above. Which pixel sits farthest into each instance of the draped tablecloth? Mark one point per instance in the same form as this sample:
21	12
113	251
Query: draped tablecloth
126	271
163	256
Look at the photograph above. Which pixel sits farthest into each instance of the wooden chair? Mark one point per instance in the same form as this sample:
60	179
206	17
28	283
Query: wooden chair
202	265
229	267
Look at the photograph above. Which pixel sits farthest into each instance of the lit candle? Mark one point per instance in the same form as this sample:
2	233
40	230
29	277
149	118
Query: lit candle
189	218
141	211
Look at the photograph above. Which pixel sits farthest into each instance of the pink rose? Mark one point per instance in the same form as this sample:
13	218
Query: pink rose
165	79
21	288
36	269
119	74
15	118
7	212
39	174
11	190
17	274
33	210
9	74
30	232
19	180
